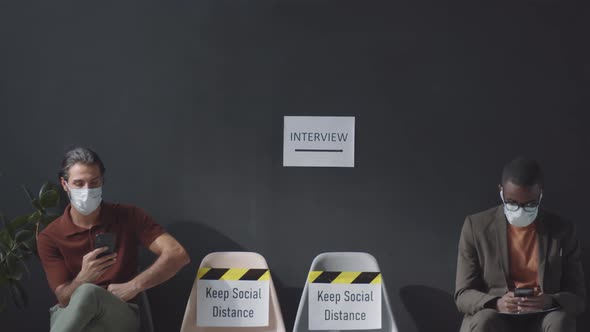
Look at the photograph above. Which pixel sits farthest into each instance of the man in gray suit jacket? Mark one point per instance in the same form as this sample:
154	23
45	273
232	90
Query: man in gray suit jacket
517	246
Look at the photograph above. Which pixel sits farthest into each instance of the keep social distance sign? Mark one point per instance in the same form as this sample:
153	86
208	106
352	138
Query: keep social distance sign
344	300
233	297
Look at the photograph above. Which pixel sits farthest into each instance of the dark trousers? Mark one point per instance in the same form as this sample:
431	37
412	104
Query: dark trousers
489	320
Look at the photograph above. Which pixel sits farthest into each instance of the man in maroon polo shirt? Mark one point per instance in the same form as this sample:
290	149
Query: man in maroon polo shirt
96	292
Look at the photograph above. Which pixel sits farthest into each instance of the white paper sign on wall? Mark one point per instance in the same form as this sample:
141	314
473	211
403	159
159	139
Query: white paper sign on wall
345	301
318	141
233	297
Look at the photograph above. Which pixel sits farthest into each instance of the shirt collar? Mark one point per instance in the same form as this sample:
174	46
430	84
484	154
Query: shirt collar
105	217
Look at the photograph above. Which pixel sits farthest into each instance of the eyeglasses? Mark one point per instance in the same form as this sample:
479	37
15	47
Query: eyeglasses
527	207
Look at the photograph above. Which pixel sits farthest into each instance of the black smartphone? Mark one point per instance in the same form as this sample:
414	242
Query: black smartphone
105	240
524	292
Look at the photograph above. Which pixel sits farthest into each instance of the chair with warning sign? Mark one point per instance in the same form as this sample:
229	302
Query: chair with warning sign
232	266
343	268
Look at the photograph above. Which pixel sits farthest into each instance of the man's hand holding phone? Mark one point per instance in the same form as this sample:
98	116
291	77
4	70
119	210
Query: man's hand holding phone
97	261
524	300
534	301
93	267
507	303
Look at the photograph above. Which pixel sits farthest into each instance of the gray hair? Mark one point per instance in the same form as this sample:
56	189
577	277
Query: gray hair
80	155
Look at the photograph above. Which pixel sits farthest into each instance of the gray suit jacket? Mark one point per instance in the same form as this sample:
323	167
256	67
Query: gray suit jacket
483	266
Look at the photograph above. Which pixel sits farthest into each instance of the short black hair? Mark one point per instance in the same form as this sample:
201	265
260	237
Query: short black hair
80	155
523	172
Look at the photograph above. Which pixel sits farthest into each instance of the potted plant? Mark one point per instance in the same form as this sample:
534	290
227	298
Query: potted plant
18	242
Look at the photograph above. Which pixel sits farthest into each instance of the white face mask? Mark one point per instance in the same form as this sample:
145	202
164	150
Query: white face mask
85	200
520	217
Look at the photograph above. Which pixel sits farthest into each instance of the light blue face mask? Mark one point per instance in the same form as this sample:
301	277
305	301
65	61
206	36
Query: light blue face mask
85	200
520	217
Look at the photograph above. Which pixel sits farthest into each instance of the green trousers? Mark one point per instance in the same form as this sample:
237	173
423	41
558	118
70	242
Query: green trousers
93	309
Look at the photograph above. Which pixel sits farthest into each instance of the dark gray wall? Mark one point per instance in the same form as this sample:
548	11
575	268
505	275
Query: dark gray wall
184	100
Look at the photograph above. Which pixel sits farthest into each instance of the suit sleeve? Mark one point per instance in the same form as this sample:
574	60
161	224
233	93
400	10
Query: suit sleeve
572	291
469	283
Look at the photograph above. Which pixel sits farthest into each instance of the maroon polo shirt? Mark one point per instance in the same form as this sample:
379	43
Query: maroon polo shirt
62	244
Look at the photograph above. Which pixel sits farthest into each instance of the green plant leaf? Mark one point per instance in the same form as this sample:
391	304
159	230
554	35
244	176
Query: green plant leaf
17	223
19	295
31	241
22	262
31	227
3	249
24	249
24	235
47	186
28	192
35	217
11	262
3	303
31	244
5	238
18	242
49	218
30	247
37	205
49	199
16	275
3	277
16	252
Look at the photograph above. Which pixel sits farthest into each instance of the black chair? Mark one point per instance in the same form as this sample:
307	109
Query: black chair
145	313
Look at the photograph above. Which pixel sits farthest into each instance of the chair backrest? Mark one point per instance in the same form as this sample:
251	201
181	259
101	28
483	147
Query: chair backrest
345	261
228	260
145	313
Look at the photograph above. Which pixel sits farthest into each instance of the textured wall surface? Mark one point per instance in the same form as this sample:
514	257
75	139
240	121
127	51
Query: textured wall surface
184	101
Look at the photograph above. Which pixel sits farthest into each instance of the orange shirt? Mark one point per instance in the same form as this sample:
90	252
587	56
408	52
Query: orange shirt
523	251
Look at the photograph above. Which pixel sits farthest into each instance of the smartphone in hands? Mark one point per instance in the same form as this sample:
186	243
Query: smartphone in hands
524	292
105	240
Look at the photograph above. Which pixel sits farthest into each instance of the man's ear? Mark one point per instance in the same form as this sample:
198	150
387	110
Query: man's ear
63	182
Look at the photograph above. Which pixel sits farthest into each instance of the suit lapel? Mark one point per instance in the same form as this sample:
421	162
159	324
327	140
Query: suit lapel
542	240
502	239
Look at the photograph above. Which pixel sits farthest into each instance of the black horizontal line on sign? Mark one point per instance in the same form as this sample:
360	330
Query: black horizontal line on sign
317	150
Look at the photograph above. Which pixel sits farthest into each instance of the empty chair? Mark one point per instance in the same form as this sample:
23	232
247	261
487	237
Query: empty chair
145	313
345	261
234	260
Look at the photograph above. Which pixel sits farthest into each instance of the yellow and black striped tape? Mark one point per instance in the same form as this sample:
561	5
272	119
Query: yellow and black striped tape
334	277
207	273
